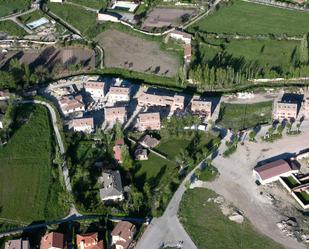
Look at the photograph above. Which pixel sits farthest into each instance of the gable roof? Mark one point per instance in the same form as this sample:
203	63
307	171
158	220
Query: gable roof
90	241
112	184
52	239
273	169
125	230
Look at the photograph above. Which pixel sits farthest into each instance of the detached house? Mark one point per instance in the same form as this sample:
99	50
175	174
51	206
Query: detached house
95	88
149	121
115	114
111	186
83	125
118	94
70	104
52	240
201	107
123	234
89	241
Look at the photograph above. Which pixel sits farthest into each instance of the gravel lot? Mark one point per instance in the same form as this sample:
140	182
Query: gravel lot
122	50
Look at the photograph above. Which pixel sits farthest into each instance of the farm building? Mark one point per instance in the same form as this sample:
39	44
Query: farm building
272	171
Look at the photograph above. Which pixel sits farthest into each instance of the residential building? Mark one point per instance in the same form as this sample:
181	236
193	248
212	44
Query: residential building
111	186
83	124
17	244
89	241
70	104
181	36
286	110
201	107
175	102
187	53
95	88
52	240
149	121
4	94
118	94
107	17
115	114
122	234
117	149
141	154
272	171
129	6
148	141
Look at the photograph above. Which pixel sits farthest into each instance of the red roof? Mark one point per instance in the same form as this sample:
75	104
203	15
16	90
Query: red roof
272	169
89	241
55	240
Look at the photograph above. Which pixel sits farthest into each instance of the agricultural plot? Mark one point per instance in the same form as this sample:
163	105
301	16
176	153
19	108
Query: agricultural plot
210	228
8	7
167	17
252	19
52	58
279	54
242	116
27	160
11	28
122	50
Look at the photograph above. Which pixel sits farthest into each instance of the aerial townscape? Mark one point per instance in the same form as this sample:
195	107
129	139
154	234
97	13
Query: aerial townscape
155	124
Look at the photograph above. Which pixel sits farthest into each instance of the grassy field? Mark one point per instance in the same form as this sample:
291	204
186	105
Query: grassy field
96	4
8	7
209	228
241	116
251	19
262	53
29	187
73	15
167	146
11	28
35	15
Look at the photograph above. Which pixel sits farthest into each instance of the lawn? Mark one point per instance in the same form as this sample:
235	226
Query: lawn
209	228
35	15
26	173
252	19
167	146
208	174
73	15
11	28
95	4
242	116
8	7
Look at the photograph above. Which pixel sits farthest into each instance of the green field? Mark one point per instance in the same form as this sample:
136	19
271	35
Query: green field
73	15
11	28
29	186
209	228
167	146
96	4
8	7
266	54
35	15
241	116
251	19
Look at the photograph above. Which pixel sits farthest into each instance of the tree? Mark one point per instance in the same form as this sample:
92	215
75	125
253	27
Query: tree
252	135
6	80
41	73
289	127
298	127
127	161
280	129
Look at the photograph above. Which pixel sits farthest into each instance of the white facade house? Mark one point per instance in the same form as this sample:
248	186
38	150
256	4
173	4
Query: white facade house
95	88
56	1
125	5
83	125
272	171
118	94
104	17
181	36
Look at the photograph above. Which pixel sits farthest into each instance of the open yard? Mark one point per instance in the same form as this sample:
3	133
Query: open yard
52	58
167	17
8	7
209	228
96	4
29	186
241	116
11	28
123	50
251	19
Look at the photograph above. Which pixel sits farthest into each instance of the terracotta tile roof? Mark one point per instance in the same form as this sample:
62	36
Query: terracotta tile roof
89	241
70	102
119	90
272	169
149	117
17	244
117	153
77	122
94	85
125	230
52	239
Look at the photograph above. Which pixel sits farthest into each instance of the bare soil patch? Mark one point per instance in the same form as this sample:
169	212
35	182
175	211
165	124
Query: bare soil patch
51	57
122	50
167	17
